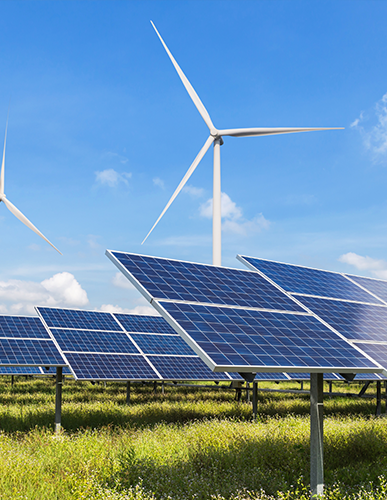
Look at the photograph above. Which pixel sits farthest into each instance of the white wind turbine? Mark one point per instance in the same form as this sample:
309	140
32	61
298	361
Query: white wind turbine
11	207
215	138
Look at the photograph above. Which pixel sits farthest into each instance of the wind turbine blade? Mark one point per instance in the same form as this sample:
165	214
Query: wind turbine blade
188	174
3	162
195	98
16	212
252	132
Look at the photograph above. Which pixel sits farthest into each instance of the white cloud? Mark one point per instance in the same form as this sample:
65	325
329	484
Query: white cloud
158	182
193	191
144	310
120	281
375	135
377	267
111	177
62	290
232	215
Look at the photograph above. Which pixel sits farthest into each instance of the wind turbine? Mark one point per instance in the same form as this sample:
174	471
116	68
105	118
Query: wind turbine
11	207
215	138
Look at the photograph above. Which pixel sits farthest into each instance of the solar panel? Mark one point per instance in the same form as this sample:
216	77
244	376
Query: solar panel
19	370
140	347
78	319
177	280
242	340
352	315
308	281
377	287
256	330
25	342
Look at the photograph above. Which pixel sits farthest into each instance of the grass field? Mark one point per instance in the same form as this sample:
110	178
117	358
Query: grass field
185	444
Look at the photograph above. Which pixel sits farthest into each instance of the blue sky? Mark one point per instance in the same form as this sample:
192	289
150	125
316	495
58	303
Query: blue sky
101	131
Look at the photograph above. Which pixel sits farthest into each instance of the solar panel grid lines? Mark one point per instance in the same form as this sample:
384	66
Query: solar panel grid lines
241	340
200	283
78	319
140	350
42	319
27	327
352	320
309	281
376	287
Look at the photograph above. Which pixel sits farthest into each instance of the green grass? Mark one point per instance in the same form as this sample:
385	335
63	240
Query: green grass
187	444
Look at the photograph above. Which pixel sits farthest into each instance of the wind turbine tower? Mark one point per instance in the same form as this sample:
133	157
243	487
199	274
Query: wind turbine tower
216	138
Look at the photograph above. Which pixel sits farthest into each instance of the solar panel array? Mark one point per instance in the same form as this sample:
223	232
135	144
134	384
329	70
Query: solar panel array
25	342
111	346
353	306
237	320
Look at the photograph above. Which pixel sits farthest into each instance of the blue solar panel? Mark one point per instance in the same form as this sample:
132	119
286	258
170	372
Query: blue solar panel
22	326
185	281
304	280
110	367
19	370
353	320
188	368
14	352
86	320
241	339
162	344
94	341
377	287
146	324
270	377
378	352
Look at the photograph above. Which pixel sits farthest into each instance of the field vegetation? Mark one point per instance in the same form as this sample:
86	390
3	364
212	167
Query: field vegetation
190	443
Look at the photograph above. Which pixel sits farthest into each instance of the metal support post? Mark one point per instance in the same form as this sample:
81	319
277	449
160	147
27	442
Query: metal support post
378	398
316	434
247	392
385	397
162	388
255	400
155	386
302	385
364	388
128	392
58	399
12	380
330	387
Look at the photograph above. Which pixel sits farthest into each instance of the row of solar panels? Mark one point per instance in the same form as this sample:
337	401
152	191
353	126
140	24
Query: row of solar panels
104	346
276	318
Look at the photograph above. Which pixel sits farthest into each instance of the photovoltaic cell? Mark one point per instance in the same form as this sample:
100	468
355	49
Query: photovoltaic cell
110	367
185	281
86	320
238	338
304	280
353	320
94	341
